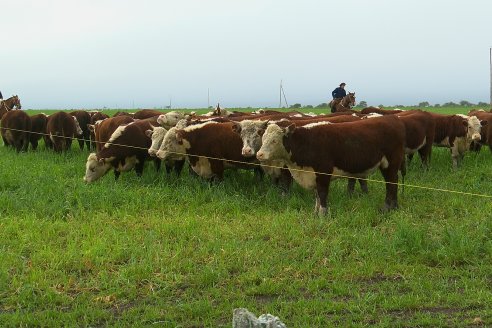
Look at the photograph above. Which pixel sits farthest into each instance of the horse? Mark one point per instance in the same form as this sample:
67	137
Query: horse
9	104
343	104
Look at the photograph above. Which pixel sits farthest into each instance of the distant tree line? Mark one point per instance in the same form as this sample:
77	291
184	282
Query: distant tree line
422	104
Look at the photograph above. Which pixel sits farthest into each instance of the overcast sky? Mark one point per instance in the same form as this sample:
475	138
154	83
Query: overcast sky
119	54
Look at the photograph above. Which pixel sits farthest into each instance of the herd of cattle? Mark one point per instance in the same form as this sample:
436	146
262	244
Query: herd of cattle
310	149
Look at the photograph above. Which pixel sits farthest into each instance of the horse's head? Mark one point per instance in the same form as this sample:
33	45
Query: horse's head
16	102
351	97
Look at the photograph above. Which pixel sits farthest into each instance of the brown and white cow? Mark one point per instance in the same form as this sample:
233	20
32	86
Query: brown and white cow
456	132
103	129
126	149
61	128
314	152
486	130
38	129
369	110
15	129
251	132
84	120
210	148
157	134
146	113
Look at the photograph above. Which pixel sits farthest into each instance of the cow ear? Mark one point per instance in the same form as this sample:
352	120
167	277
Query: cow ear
236	127
465	123
288	130
265	124
180	136
149	133
483	123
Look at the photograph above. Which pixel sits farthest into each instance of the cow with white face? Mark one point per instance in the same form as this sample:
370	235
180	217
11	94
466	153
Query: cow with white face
170	119
250	132
157	134
457	132
172	146
319	152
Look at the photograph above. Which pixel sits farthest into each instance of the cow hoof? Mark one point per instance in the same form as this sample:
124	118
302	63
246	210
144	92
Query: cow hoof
387	208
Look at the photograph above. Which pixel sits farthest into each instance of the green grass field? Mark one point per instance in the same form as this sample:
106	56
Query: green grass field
172	251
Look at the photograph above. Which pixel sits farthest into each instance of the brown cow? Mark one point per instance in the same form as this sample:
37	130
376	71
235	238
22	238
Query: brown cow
61	128
456	132
38	129
102	130
419	134
146	113
486	131
126	149
205	145
369	110
120	113
16	127
84	119
98	116
312	153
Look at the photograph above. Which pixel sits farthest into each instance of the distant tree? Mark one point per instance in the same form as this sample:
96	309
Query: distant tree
296	106
322	105
424	104
449	104
437	105
380	106
308	106
465	103
483	104
362	104
399	106
210	107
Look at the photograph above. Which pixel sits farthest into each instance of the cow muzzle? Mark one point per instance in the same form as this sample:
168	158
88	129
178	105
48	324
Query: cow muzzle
161	154
260	155
247	152
476	137
152	152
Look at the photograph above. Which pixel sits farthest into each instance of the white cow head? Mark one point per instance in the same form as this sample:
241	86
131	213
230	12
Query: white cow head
157	135
96	168
272	147
77	126
251	133
173	145
170	119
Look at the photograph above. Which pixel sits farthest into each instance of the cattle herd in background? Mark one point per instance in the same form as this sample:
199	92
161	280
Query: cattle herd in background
287	146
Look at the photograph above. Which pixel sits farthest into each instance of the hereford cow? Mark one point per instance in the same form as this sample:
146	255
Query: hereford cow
38	129
369	110
168	120
98	116
486	130
205	145
126	149
123	114
15	130
146	113
419	134
61	128
157	134
84	119
102	130
251	132
314	152
456	132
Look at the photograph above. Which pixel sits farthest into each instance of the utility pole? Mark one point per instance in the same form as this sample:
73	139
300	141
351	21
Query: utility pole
280	95
170	102
208	98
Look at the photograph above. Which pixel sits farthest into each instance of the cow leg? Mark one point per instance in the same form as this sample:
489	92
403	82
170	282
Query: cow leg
139	167
363	185
34	144
217	168
81	144
409	158
351	186
116	175
68	144
25	144
322	187
259	173
157	165
87	138
425	154
285	180
169	168
391	177
5	142
178	166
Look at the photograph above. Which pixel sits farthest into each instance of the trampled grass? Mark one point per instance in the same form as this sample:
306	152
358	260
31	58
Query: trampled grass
178	252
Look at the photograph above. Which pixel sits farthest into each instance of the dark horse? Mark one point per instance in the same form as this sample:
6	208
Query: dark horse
9	104
343	104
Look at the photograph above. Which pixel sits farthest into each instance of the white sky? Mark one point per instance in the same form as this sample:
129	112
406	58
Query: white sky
116	53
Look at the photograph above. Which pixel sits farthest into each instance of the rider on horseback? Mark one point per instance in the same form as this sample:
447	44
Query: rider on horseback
339	92
1	97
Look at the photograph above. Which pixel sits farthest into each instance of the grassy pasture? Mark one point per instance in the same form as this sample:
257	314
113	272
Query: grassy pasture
178	252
